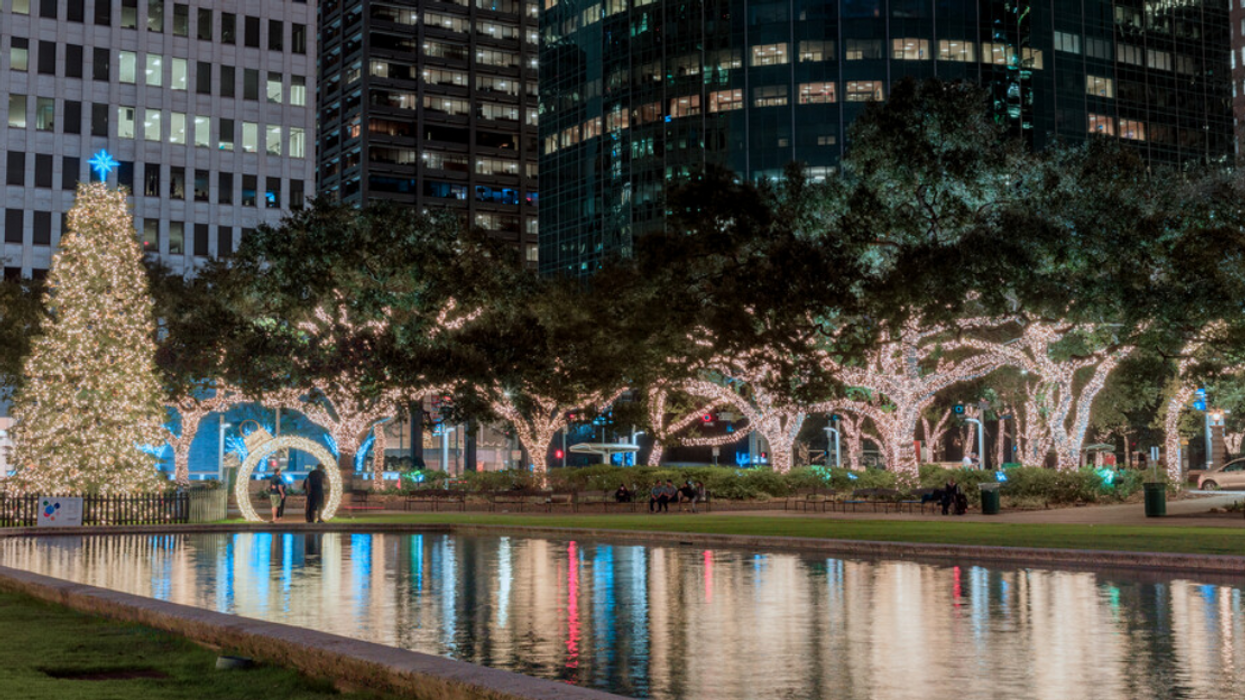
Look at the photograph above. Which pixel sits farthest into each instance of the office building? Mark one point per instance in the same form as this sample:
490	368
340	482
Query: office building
433	105
639	93
204	105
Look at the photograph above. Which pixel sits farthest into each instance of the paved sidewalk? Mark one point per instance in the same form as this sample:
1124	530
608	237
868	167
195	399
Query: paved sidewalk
1192	511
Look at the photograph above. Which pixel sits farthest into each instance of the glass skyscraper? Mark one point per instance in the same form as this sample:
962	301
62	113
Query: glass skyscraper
638	93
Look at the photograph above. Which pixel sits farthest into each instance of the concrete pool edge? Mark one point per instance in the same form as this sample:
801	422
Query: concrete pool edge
318	654
1079	558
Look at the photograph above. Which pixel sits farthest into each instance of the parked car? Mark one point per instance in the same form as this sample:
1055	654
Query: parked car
1229	476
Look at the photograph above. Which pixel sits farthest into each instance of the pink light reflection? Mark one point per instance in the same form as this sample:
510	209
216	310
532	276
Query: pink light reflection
957	591
708	576
572	606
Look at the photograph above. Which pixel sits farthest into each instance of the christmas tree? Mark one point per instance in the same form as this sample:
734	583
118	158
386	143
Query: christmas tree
90	395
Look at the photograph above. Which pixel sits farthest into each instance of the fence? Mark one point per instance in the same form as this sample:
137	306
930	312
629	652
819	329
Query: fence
144	509
209	505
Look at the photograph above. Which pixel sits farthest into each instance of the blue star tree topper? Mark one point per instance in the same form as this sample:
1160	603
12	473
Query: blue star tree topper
103	163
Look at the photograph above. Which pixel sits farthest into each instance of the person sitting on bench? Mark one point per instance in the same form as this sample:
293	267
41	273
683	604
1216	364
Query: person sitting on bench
623	494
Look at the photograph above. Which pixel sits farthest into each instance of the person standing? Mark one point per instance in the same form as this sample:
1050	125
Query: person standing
314	486
276	492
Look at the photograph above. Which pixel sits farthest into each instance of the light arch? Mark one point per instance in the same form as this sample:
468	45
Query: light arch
241	489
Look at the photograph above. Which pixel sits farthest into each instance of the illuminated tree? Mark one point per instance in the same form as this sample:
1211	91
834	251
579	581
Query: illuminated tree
1064	398
908	369
667	421
769	414
91	395
537	418
1182	392
192	409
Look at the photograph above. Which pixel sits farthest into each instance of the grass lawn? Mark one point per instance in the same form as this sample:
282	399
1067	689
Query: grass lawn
42	640
1149	538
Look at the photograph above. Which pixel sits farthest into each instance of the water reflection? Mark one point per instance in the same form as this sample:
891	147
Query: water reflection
680	622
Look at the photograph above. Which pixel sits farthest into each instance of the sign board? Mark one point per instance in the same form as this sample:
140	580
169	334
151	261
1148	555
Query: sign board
1154	454
1200	405
717	451
56	511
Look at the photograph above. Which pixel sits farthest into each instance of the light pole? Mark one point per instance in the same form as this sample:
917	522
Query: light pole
220	455
830	430
981	440
445	447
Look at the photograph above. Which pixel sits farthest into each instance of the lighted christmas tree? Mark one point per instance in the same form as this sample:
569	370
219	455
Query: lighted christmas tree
90	395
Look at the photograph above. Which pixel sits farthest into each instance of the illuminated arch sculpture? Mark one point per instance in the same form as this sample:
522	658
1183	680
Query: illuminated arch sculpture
260	448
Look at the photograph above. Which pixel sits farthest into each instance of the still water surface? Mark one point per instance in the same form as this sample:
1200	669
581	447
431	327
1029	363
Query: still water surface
694	624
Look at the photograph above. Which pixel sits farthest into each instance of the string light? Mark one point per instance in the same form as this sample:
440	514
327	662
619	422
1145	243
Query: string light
192	409
541	418
1183	395
265	445
91	395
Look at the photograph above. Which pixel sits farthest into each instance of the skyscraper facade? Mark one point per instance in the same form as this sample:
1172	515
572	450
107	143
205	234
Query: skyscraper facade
203	105
433	105
638	93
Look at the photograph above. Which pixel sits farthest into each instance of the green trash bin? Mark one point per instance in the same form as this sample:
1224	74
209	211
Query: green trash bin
1156	500
990	498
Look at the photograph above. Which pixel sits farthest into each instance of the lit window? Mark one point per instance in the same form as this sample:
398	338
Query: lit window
274	87
816	51
177	128
151	125
298	90
1132	129
45	113
1102	87
685	106
273	140
1071	43
864	91
203	131
178	80
298	142
125	122
155	70
250	137
817	93
1099	124
769	55
17	111
129	66
909	49
726	100
957	50
769	96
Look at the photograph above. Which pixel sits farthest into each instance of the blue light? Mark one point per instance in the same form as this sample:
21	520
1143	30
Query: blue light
1107	475
1000	476
852	476
669	118
103	164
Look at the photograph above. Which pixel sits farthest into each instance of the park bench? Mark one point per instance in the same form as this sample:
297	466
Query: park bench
522	498
808	499
359	499
606	501
436	498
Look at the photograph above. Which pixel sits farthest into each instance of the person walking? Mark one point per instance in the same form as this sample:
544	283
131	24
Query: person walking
950	493
276	492
314	486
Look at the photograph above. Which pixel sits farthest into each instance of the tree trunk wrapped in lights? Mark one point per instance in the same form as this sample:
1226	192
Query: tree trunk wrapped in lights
778	423
337	407
91	395
666	423
192	410
536	419
1180	398
909	370
1065	410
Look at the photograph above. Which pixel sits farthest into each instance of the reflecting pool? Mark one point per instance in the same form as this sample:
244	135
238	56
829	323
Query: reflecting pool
700	624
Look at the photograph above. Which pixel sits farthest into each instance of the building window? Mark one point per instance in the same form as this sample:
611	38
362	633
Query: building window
128	64
864	91
250	26
201	185
276	35
909	49
1160	60
298	38
1070	43
296	194
101	65
274	87
71	122
17	111
769	55
298	142
272	192
155	70
99	119
73	60
956	50
45	114
224	188
725	100
817	93
43	170
177	128
151	125
155	16
103	13
181	20
228	28
179	74
177	182
151	235
228	81
1099	124
76	10
19	54
69	173
250	137
250	183
177	238
201	240
47	58
226	134
151	180
129	14
14	223
204	30
1129	54
685	106
862	49
816	51
769	96
41	231
203	77
1132	129
1101	87
224	241
272	141
203	132
298	90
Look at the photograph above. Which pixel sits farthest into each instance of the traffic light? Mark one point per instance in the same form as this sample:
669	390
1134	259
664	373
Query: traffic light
707	418
558	454
959	409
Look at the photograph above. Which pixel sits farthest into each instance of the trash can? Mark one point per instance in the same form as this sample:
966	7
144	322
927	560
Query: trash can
1156	500
990	498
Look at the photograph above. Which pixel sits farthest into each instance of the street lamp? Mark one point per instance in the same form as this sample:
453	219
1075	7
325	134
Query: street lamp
220	455
830	430
981	440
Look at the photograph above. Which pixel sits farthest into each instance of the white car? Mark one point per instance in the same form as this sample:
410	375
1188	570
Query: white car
1230	476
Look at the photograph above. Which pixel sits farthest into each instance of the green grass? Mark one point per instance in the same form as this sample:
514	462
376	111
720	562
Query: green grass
1127	538
39	637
